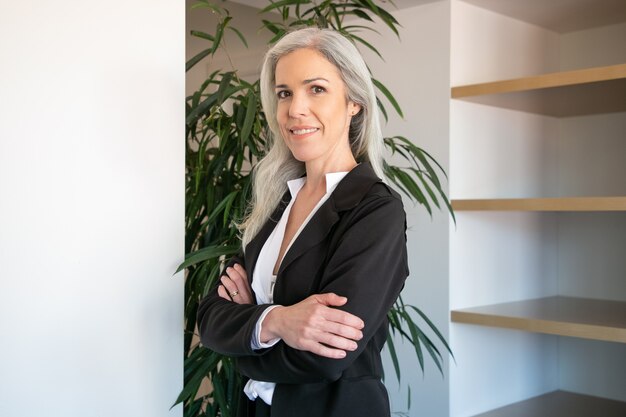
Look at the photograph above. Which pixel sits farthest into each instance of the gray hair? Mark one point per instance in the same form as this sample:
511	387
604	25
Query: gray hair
271	174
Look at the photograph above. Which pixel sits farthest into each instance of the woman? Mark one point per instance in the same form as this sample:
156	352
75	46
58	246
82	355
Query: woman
305	309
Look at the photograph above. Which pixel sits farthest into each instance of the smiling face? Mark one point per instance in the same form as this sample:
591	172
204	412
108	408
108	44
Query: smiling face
313	113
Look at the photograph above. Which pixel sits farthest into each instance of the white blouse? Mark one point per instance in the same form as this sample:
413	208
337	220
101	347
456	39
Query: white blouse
263	278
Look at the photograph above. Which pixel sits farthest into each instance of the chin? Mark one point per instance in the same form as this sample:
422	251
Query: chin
304	155
301	156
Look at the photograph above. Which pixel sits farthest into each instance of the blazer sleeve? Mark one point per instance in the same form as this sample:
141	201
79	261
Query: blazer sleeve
368	267
226	327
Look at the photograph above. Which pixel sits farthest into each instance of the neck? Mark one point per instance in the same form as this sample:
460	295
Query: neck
316	173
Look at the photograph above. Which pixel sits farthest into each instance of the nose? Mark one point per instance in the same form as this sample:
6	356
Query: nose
298	105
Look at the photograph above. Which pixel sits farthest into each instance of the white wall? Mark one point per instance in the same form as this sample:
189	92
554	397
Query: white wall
91	208
488	46
593	47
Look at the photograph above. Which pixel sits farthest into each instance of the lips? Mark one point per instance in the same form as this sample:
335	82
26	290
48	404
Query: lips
303	131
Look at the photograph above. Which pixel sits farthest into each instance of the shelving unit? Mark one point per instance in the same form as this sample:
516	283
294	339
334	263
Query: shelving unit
564	316
538	276
561	404
613	73
542	204
560	94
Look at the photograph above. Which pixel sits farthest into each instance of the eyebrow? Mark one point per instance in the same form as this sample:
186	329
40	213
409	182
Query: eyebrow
310	80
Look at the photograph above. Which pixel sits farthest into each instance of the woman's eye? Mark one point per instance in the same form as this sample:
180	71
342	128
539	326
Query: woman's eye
282	94
317	89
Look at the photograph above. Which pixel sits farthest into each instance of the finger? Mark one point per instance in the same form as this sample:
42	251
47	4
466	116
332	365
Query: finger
331	299
240	279
221	291
233	274
343	317
229	284
347	332
337	342
325	351
241	271
241	294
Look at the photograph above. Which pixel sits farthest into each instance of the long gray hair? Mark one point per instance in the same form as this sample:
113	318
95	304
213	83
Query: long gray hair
271	174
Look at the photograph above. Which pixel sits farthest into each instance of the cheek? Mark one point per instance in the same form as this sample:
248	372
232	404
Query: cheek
339	118
282	113
281	116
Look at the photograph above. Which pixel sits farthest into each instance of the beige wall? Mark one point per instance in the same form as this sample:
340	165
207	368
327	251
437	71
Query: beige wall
246	61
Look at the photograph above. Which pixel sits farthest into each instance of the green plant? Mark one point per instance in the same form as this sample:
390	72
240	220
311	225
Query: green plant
225	135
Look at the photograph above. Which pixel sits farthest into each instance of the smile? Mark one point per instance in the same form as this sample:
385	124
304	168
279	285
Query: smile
303	131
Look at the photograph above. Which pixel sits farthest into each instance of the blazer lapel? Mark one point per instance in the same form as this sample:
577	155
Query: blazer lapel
314	232
348	193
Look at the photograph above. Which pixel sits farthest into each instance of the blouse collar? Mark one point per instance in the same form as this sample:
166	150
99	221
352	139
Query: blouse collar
332	179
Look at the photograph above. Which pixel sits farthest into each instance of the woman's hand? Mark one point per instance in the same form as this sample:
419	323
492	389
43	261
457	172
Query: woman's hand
314	326
235	286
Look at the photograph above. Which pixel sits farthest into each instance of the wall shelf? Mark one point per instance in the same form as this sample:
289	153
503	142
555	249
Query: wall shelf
561	404
564	316
542	204
560	94
538	102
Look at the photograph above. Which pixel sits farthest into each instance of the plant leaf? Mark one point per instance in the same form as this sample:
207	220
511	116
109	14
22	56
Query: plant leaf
199	57
282	3
204	254
208	5
364	42
243	39
202	35
224	84
250	115
382	109
394	356
389	96
432	327
362	14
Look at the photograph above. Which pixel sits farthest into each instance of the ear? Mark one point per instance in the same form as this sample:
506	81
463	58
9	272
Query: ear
353	108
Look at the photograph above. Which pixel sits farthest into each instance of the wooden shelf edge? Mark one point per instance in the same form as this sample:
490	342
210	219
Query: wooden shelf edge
561	316
556	79
561	404
542	204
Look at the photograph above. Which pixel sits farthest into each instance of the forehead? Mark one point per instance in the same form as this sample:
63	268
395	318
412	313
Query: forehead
303	64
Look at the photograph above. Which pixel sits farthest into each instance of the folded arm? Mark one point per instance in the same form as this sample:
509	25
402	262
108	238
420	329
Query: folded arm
225	326
368	268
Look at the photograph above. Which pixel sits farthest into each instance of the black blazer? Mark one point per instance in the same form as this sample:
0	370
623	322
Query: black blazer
354	246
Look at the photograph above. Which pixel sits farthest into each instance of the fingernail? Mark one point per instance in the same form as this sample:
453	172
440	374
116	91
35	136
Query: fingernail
342	354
